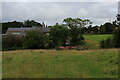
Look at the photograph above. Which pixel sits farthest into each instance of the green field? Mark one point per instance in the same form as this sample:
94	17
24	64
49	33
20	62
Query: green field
93	41
60	64
97	38
99	63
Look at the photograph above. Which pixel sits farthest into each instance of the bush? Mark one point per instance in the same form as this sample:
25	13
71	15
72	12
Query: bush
11	42
112	42
116	38
108	43
34	39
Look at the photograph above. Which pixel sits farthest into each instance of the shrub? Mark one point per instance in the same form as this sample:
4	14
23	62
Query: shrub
116	38
112	42
108	43
11	42
34	39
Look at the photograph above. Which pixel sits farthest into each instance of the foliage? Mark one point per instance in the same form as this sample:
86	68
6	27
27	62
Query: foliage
72	23
59	35
11	42
94	29
16	24
112	42
85	24
70	33
75	30
31	23
108	43
13	24
106	28
34	39
116	38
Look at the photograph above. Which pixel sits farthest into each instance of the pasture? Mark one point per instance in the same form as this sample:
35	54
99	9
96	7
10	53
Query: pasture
101	63
93	41
94	63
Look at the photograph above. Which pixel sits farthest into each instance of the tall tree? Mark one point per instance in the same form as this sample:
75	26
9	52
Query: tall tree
59	35
75	29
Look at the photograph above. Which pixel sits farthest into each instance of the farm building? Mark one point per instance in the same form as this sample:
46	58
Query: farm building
23	30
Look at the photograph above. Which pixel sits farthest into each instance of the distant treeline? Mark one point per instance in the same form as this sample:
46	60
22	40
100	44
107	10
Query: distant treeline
16	24
106	28
70	33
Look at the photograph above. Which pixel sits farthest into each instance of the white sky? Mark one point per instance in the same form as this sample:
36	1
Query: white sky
52	12
60	0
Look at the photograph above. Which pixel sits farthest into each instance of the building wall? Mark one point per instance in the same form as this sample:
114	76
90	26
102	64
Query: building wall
15	32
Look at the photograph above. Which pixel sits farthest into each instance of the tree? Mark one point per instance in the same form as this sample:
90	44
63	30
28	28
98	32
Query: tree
34	39
75	29
102	30
31	23
84	30
106	28
71	23
116	38
13	24
115	42
11	42
89	29
95	29
58	35
108	43
114	23
112	42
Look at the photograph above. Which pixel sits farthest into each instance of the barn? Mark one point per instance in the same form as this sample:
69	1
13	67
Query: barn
23	30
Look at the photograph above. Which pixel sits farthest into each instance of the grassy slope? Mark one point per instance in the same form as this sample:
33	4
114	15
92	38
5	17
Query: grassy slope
60	64
93	41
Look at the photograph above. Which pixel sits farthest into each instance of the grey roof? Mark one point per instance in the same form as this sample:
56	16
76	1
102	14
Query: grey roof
19	29
43	29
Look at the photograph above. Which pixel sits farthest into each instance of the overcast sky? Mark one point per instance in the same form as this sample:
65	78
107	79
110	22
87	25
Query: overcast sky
55	12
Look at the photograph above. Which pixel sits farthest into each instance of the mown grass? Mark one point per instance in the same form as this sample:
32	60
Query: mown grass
93	41
60	64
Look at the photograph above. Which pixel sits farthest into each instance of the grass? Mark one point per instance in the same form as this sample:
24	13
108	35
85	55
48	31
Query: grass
60	64
97	38
99	63
93	41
